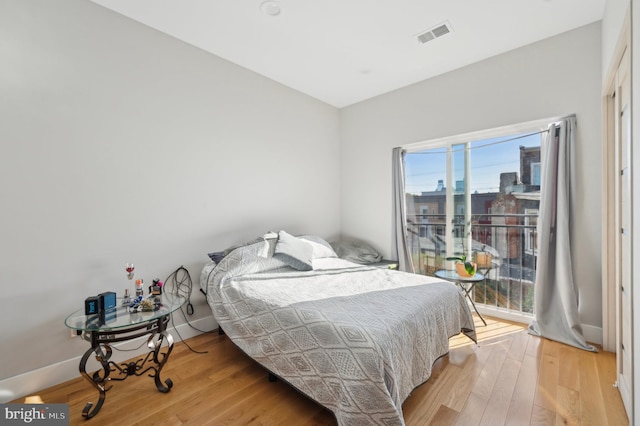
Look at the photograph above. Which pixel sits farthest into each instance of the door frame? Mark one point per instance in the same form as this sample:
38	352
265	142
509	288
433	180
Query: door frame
610	302
609	308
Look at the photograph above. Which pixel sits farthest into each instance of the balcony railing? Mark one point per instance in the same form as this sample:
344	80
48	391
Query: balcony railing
508	244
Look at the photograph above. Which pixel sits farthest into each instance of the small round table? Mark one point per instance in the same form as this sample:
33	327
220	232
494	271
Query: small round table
121	324
466	284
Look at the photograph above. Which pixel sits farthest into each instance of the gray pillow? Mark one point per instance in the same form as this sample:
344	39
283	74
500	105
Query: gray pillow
356	251
269	237
294	252
248	243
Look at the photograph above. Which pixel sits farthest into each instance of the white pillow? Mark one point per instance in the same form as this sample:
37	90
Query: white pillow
321	248
294	252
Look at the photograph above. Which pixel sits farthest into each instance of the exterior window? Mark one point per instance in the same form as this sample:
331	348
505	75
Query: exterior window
535	174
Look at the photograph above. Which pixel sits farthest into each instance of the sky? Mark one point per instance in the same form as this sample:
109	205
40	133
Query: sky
489	158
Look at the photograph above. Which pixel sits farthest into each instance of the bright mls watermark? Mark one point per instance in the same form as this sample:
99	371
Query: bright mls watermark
34	414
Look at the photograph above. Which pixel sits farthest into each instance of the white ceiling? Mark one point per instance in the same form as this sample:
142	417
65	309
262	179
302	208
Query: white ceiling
345	51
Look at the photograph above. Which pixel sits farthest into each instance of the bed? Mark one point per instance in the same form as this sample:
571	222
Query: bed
355	338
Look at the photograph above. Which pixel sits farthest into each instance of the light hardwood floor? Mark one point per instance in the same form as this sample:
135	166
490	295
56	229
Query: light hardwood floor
509	378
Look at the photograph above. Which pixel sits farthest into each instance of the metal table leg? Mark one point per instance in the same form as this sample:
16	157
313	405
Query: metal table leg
97	380
161	359
467	292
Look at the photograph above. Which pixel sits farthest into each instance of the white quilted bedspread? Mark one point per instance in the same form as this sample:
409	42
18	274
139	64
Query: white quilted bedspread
355	339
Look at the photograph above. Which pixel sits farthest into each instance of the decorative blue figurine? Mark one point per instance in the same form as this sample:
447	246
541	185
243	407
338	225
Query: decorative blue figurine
135	302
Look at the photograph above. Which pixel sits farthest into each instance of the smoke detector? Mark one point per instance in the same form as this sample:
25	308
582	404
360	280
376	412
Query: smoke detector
434	32
270	8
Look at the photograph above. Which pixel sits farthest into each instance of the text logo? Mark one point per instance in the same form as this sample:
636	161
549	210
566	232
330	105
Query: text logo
35	414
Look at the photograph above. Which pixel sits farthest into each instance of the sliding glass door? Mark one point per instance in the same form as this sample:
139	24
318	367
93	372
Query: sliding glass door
479	198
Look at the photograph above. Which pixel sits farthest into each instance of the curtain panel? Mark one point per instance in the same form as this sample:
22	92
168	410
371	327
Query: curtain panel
400	236
556	293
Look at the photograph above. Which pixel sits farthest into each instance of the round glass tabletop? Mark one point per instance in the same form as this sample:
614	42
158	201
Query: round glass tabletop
453	276
122	316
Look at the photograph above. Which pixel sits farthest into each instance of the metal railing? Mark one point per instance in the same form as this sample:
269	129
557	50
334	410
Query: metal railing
503	245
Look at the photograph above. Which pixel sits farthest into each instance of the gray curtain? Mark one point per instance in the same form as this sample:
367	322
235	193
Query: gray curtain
401	247
556	293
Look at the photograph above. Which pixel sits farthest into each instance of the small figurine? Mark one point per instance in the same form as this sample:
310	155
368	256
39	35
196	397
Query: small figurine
127	298
129	268
156	288
136	302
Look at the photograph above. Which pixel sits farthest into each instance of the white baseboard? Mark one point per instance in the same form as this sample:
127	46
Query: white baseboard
592	334
32	381
505	314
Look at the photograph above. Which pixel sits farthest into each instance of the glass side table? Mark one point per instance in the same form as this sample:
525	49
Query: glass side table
118	325
466	284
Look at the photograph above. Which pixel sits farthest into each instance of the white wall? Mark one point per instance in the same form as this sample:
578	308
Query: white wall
554	77
121	144
614	13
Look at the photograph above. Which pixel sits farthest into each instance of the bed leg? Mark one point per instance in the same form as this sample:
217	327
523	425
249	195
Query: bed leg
272	377
220	331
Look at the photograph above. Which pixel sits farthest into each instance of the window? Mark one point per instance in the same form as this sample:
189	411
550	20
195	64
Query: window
479	194
535	174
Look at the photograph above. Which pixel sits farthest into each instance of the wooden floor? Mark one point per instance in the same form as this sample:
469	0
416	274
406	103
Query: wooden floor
509	378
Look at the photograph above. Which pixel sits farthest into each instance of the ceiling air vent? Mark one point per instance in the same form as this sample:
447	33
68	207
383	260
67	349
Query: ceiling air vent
435	32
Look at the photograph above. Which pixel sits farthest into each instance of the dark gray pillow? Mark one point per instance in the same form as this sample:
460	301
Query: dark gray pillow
294	252
216	256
